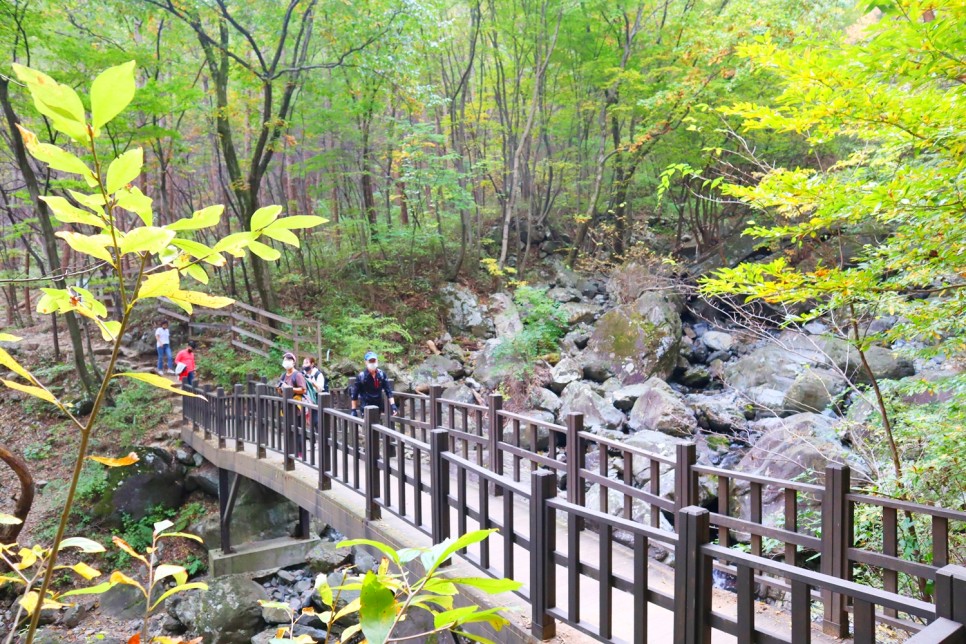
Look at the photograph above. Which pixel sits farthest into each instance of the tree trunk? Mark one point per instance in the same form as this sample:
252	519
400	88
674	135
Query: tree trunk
47	230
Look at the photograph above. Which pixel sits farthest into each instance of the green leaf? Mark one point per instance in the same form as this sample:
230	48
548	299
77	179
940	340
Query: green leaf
158	381
90	590
196	585
124	169
82	543
264	216
451	617
283	235
133	200
474	638
235	243
95	202
377	609
204	218
199	251
36	392
197	273
58	102
381	547
160	284
93	245
267	253
440	586
55	157
170	570
299	221
324	589
146	239
182	535
111	92
488	584
69	214
444	550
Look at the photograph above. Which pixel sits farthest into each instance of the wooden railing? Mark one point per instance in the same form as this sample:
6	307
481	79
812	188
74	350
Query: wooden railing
441	459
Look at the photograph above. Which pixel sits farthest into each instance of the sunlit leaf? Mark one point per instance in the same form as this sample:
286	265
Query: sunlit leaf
202	299
119	577
90	590
111	92
148	239
66	213
11	363
264	216
134	200
197	585
58	102
85	571
377	609
263	251
160	284
124	169
93	245
55	157
204	218
82	543
158	381
124	461
381	547
182	535
30	390
299	221
170	570
488	584
9	519
283	235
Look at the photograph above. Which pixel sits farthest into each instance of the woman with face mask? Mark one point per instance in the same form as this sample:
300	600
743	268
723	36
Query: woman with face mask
291	378
369	385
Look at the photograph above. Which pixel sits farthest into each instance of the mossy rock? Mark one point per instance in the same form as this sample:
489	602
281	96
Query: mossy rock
154	480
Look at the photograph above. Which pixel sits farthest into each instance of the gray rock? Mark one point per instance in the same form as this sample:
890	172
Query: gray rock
813	390
544	400
564	372
363	560
662	409
506	316
816	328
325	558
607	387
655	443
579	313
259	514
580	397
493	366
228	612
123	602
459	393
204	478
576	340
625	397
564	294
197	459
155	480
275	615
465	315
534	437
885	364
635	340
436	370
184	455
723	412
695	377
717	341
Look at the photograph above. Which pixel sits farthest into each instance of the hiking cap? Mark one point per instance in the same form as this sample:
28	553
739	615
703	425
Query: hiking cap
371	356
289	354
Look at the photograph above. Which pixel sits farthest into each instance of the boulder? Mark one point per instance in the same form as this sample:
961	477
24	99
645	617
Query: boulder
796	448
544	400
228	612
640	513
325	558
155	480
625	397
260	513
564	372
576	340
578	313
580	397
122	602
885	364
813	390
506	315
723	412
459	393
465	315
717	340
631	281
436	370
655	443
695	377
564	294
635	340
492	366
526	432
204	478
662	409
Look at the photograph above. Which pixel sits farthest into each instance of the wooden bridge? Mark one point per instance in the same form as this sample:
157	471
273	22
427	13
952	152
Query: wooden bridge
444	467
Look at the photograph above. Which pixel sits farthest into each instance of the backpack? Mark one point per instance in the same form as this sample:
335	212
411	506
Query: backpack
310	393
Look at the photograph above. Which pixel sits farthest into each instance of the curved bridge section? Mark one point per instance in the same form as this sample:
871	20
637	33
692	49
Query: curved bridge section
577	531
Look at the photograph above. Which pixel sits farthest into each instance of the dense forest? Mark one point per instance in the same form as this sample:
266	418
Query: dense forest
785	171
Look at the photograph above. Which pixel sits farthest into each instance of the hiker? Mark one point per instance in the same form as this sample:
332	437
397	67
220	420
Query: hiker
315	384
163	337
294	380
184	364
368	386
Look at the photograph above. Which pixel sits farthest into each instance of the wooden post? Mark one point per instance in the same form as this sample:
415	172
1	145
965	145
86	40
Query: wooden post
324	432
206	418
439	484
221	421
692	578
238	425
575	457
543	535
369	415
836	540
261	411
951	593
495	435
435	407
685	482
288	428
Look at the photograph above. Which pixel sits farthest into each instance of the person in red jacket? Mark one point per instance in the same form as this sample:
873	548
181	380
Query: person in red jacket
186	357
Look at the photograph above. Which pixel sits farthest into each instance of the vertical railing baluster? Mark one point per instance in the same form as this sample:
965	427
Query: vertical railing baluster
261	412
221	421
801	612
369	416
495	435
288	446
439	484
325	435
238	422
685	481
835	542
543	572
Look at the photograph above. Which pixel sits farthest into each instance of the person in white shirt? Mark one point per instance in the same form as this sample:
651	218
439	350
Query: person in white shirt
163	336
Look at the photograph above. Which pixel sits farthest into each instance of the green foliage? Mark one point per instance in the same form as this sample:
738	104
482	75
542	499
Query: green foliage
223	365
355	333
544	324
38	451
138	408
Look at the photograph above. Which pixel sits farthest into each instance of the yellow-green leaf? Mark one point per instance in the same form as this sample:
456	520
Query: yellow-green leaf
182	535
160	284
111	92
82	543
90	590
31	599
264	216
66	213
57	158
85	571
199	251
204	218
109	329
11	363
235	243
283	235
58	102
124	169
118	577
93	245
196	585
133	200
9	519
299	221
146	239
170	570
94	202
202	299
123	461
267	253
7	337
158	381
197	273
36	392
